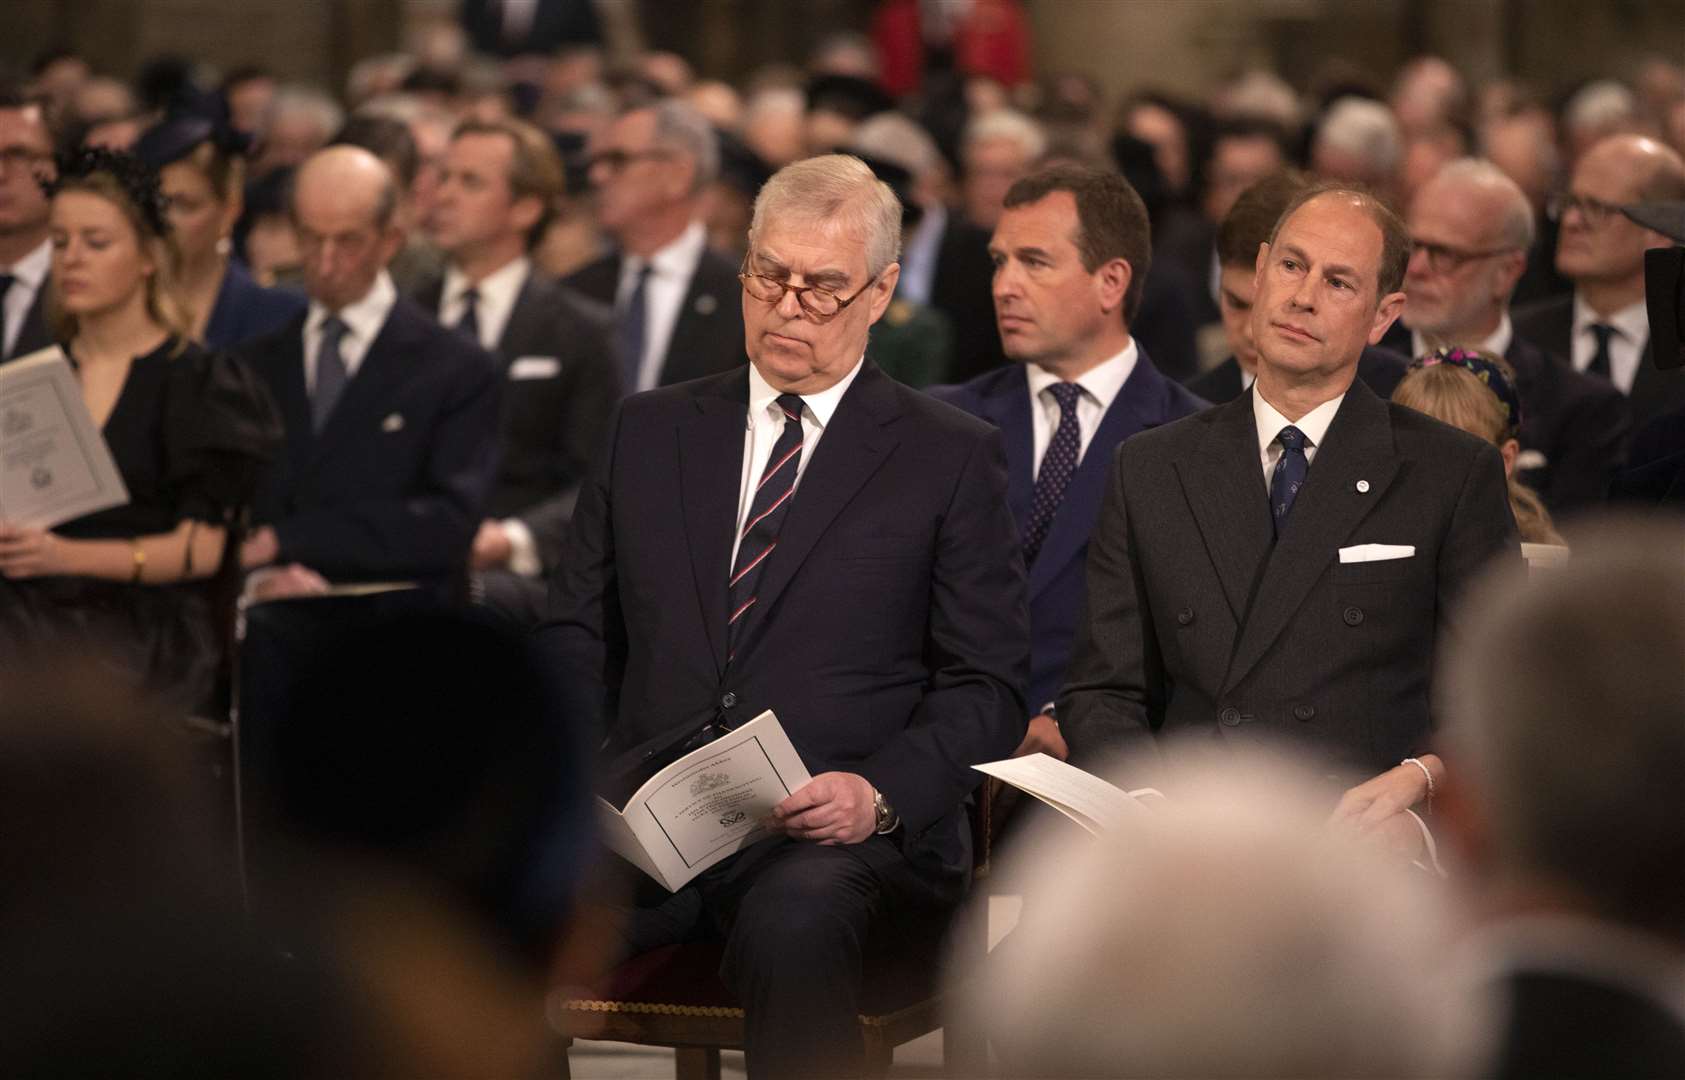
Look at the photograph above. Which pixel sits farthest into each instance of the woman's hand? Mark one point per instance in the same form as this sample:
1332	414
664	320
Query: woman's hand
1367	805
29	553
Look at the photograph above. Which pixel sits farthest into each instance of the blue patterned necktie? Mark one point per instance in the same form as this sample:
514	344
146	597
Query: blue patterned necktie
1290	474
629	332
1058	465
331	375
773	495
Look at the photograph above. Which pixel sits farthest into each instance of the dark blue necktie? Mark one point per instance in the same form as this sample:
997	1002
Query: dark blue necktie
629	332
1289	475
469	325
331	375
1058	465
1599	365
773	495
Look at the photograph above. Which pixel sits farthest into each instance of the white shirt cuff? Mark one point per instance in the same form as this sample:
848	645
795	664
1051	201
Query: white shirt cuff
523	549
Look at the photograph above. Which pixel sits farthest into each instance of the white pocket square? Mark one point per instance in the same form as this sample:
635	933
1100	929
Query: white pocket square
1376	552
394	422
535	367
1531	459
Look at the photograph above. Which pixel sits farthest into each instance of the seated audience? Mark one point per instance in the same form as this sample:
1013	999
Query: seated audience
189	430
201	167
1562	707
391	419
1476	391
26	145
996	150
1358	141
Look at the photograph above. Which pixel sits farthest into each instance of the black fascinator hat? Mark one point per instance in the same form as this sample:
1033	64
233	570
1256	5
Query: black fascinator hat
138	181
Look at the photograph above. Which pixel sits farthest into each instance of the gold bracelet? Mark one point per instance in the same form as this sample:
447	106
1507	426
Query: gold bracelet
140	559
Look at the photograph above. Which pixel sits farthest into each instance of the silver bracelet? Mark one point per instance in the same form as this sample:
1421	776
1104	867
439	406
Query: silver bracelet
1426	772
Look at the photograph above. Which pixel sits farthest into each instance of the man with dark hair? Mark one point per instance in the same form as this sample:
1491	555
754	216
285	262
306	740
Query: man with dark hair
1071	252
1277	570
26	254
1245	228
391	419
500	178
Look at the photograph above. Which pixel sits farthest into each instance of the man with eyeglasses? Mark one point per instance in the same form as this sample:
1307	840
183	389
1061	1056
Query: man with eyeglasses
1471	227
675	300
26	155
806	535
1603	328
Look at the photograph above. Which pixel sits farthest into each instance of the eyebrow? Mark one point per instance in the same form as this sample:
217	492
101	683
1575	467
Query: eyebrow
1336	269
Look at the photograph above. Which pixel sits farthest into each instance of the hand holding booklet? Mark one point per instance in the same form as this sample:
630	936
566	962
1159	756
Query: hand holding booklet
54	464
1081	796
709	804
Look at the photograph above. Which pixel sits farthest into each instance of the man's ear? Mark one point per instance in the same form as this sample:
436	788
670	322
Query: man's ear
1510	269
884	290
1392	305
525	212
1114	279
1259	263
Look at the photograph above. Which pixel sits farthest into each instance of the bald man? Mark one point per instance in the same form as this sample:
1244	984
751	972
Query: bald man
1604	328
391	419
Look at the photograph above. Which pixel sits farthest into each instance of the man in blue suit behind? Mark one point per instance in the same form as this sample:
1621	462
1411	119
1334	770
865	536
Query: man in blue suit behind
1071	254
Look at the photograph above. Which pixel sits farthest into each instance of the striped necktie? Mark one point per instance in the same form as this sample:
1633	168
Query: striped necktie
773	495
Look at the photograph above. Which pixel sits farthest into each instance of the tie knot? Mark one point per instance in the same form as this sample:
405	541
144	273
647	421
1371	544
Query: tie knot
1291	438
1603	332
333	328
471	296
6	283
791	406
1067	394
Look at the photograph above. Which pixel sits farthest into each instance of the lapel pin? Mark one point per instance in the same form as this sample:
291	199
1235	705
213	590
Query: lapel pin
705	304
394	422
1363	487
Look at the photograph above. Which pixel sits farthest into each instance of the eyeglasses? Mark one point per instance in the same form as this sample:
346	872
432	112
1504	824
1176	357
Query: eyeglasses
615	160
1446	260
820	304
1593	212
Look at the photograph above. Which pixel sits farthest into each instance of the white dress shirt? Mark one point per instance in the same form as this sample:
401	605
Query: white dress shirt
29	275
670	272
919	255
766	423
1100	385
1632	331
363	320
493	304
1313	424
1497	343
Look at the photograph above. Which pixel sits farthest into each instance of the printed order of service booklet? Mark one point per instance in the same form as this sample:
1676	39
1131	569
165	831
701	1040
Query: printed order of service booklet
711	803
1086	799
54	464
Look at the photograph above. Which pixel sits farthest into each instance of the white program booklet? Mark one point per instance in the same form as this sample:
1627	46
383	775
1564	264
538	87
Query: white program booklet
1086	799
54	464
711	803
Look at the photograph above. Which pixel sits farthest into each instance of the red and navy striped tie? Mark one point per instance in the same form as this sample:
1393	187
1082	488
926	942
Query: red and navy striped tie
773	495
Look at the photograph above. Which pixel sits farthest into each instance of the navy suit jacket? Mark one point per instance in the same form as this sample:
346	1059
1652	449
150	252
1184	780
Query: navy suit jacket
395	483
246	310
1002	397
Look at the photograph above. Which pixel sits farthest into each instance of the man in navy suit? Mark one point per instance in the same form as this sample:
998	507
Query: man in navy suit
391	419
1071	253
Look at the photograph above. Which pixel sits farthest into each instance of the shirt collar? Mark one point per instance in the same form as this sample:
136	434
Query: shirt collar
31	270
500	287
822	405
1103	382
1497	343
1632	321
1314	424
362	318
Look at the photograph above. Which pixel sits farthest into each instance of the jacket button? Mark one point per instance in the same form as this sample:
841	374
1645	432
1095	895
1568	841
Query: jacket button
728	700
1229	717
1352	615
1185	616
1303	712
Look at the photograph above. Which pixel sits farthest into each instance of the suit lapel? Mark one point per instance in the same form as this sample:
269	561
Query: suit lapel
853	448
525	323
1224	485
1358	446
710	449
1007	406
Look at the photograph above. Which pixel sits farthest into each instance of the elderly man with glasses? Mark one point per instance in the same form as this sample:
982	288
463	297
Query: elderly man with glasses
806	535
1603	328
674	299
1470	229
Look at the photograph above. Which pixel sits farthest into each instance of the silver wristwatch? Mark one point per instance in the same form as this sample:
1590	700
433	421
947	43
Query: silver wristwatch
887	820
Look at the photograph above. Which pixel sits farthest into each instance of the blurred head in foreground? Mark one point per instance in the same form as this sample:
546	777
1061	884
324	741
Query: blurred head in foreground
1227	934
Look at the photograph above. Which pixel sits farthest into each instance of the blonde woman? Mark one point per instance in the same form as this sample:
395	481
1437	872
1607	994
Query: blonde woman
1475	391
188	429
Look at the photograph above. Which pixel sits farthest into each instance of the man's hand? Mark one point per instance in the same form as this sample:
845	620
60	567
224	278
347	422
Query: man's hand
492	548
1043	737
28	553
260	549
283	582
1367	805
832	808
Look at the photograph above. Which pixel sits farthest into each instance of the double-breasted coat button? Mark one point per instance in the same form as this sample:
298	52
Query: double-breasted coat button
728	700
1229	717
1352	615
1303	712
1185	616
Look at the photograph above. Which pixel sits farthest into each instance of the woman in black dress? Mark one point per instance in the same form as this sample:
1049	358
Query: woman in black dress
189	430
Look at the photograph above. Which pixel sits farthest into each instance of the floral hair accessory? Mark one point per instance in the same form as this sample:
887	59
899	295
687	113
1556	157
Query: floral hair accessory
1490	375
